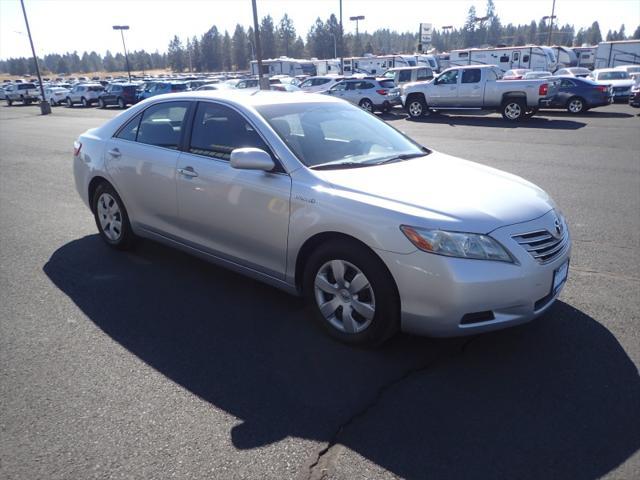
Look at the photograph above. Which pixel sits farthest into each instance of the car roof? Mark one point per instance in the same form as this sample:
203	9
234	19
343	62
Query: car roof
242	98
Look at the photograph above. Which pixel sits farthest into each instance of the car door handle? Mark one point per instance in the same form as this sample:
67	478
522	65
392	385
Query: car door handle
188	172
114	152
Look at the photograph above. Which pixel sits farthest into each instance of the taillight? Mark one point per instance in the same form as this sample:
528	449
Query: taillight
543	90
602	88
77	146
381	92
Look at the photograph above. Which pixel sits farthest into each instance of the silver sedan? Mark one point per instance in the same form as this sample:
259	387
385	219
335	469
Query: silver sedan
322	199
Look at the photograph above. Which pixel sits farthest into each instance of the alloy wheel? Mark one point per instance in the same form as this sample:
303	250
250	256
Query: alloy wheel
344	296
110	217
415	108
575	105
513	111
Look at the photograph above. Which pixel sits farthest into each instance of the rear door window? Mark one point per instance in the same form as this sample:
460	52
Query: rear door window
404	76
161	124
471	75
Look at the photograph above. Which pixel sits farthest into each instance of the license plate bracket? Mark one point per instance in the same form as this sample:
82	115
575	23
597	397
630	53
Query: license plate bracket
560	276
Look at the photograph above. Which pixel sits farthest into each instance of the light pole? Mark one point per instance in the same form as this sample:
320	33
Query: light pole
335	45
263	81
551	17
126	57
45	108
341	42
357	18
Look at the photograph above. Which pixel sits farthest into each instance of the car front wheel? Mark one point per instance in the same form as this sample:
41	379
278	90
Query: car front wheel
84	102
575	105
121	103
417	107
352	294
111	218
101	103
69	102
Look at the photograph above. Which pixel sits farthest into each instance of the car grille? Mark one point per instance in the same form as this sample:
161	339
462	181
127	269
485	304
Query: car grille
542	245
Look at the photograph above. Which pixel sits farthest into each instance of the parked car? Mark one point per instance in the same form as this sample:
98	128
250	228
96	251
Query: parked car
85	94
2	94
515	74
320	84
314	196
578	95
629	68
534	75
573	72
214	86
247	83
159	88
477	87
618	79
369	93
55	95
402	75
120	94
25	93
285	87
634	98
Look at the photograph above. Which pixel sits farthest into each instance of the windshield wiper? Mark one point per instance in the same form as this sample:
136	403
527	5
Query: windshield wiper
336	165
400	158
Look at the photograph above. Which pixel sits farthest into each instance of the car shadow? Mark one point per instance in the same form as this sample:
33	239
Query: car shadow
557	398
489	121
587	114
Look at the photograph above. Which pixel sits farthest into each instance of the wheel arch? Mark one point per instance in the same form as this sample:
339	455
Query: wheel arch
313	242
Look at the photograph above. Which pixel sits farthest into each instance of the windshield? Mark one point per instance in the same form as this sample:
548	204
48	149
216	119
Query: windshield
613	76
336	134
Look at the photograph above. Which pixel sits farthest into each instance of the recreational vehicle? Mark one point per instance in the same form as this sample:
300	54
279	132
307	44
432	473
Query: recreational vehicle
613	54
377	64
565	56
327	67
284	66
532	56
586	56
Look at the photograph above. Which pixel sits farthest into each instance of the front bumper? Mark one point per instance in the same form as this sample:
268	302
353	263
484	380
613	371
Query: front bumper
437	292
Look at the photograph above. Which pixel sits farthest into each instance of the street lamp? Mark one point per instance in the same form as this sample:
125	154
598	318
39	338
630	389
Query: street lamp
550	17
335	45
126	57
45	108
445	30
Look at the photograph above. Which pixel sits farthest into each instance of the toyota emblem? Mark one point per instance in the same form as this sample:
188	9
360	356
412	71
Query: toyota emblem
558	226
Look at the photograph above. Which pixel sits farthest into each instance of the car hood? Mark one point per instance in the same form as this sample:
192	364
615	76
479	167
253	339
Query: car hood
443	192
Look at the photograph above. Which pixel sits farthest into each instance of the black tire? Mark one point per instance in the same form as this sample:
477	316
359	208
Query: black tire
386	318
126	238
531	113
84	102
9	102
69	102
121	103
101	103
417	107
576	105
513	109
367	105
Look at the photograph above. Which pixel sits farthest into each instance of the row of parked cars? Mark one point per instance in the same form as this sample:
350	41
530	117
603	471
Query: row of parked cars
418	89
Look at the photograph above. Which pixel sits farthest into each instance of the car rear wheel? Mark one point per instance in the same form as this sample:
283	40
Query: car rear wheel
69	102
101	103
9	102
352	294
366	104
111	218
121	103
84	102
575	105
513	110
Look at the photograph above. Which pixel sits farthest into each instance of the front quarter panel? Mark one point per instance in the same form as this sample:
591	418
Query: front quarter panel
88	164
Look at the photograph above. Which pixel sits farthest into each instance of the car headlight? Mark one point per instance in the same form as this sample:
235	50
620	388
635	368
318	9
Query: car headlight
457	244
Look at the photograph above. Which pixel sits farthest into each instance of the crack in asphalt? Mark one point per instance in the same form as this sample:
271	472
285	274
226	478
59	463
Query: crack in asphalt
321	474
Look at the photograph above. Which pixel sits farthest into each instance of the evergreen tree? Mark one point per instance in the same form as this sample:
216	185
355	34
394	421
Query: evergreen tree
268	37
226	52
175	55
239	44
286	36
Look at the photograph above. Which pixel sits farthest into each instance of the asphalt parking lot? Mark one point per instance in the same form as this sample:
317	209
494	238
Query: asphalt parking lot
153	364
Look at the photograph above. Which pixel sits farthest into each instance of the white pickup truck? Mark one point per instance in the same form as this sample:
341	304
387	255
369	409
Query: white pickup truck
478	87
21	92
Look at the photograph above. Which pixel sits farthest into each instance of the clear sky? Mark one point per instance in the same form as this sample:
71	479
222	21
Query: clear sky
66	25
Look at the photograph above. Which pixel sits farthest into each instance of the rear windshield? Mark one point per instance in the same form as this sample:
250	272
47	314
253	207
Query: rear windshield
25	86
95	89
387	83
129	88
613	76
178	87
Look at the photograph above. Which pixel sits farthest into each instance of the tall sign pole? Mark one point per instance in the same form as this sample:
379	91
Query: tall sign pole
341	42
45	108
263	81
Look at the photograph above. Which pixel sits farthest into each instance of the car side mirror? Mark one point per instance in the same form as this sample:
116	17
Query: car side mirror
251	159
